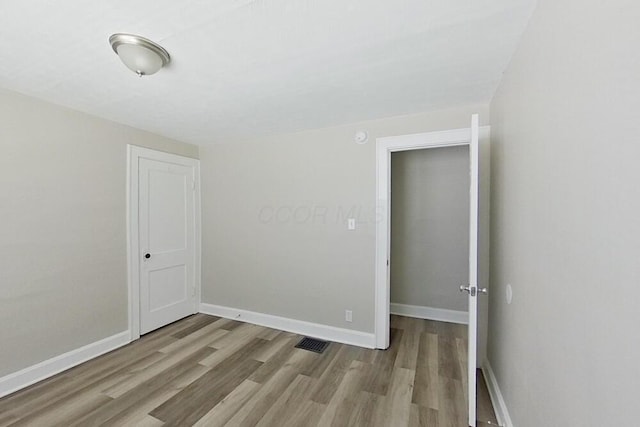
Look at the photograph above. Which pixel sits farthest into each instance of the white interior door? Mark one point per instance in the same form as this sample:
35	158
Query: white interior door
472	288
167	239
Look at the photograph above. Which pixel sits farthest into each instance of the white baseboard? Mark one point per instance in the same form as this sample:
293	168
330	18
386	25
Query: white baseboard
431	313
499	405
325	332
32	374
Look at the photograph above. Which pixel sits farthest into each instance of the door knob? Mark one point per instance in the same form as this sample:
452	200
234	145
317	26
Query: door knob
464	288
147	256
483	291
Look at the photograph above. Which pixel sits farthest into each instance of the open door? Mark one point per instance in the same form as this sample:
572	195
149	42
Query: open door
385	147
472	287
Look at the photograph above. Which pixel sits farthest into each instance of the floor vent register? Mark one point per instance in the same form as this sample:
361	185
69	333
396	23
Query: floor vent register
312	344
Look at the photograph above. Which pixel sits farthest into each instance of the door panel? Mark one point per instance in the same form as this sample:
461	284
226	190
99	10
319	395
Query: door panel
166	286
167	201
167	243
473	271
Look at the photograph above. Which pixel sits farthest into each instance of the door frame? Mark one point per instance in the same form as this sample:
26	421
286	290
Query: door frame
384	148
134	154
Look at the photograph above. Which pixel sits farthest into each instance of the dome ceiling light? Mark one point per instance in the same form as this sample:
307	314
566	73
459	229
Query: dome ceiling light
140	55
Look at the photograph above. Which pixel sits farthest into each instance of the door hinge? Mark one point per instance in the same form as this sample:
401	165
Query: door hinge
193	185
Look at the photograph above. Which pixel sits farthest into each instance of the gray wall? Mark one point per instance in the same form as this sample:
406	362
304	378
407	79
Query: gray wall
275	237
63	260
430	227
566	218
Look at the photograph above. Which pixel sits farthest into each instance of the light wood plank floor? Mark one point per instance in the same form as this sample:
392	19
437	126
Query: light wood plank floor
207	371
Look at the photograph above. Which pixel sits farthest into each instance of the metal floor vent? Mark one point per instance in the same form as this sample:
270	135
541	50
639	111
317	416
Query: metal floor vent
312	344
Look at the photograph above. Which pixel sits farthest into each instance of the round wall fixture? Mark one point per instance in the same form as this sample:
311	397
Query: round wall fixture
361	137
140	55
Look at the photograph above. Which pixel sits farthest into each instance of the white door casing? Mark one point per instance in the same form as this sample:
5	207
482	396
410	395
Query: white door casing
164	238
384	148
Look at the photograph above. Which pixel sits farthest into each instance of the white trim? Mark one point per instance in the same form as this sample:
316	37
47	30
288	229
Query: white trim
325	332
38	372
444	138
134	153
497	400
133	244
198	230
430	313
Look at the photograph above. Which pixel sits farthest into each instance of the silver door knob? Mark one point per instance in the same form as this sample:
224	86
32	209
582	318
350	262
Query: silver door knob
483	291
465	288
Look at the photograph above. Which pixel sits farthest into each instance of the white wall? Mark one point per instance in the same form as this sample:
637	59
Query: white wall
430	227
63	266
566	218
275	237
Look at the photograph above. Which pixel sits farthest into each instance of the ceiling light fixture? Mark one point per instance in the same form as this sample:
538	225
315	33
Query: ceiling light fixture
140	55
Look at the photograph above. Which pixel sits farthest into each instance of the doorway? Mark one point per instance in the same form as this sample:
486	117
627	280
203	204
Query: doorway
468	137
163	213
429	256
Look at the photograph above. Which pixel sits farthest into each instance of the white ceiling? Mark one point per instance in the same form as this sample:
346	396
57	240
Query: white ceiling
243	68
